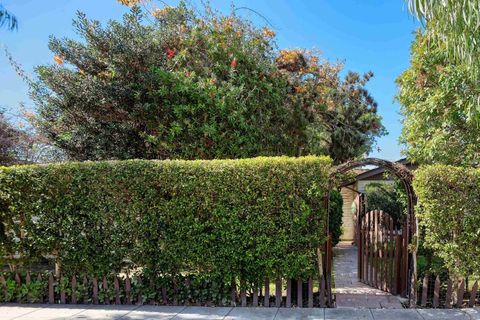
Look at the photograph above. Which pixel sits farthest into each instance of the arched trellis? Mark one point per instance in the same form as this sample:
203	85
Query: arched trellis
406	176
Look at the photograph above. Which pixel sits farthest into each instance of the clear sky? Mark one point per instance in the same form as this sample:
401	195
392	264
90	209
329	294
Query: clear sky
367	34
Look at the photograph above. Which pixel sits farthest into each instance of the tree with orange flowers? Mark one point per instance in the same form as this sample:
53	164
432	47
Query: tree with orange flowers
170	83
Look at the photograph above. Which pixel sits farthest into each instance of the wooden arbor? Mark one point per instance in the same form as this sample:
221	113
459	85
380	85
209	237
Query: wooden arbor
410	242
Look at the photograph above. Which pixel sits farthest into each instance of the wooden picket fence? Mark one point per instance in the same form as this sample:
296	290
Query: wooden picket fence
299	293
434	293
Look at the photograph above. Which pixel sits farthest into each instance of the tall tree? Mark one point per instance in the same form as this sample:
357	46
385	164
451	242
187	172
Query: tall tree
190	86
457	23
441	123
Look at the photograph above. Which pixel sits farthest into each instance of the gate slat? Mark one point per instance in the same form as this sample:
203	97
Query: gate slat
372	249
391	248
375	248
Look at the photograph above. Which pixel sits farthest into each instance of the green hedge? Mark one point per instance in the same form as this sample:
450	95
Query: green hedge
449	211
220	219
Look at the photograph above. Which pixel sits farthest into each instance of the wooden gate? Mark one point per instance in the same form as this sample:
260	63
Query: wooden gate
381	252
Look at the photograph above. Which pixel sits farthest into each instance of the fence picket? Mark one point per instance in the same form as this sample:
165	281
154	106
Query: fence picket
473	295
85	286
266	297
164	296
51	297
255	297
116	289
460	293
372	248
95	290
106	299
322	292
278	292
243	293
63	298
448	297
299	293
28	280
73	284
128	290
436	293
310	292
424	291
288	302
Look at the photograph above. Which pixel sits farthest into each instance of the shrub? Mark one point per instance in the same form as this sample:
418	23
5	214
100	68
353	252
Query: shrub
390	198
220	219
335	219
449	211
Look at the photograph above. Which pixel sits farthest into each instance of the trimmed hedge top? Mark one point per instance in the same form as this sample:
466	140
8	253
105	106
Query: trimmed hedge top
228	219
449	211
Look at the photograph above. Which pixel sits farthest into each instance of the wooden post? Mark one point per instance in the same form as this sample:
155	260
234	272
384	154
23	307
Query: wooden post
375	249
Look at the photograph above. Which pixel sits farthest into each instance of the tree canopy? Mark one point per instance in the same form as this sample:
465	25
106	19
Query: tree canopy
175	84
438	99
456	23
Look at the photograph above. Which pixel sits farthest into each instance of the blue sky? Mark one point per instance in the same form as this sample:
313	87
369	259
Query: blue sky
367	34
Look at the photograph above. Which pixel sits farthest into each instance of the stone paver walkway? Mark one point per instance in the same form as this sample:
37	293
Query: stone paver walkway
350	292
89	312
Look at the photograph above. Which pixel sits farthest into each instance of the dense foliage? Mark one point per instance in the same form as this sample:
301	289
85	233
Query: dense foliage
220	219
449	211
174	84
439	102
335	216
388	197
456	23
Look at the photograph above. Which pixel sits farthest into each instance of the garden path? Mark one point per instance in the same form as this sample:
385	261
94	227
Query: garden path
350	292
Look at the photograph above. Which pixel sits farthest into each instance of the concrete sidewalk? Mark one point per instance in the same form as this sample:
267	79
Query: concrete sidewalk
89	312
